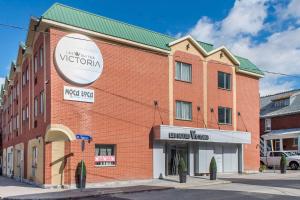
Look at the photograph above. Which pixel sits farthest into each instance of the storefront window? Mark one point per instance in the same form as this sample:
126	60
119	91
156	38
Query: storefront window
105	155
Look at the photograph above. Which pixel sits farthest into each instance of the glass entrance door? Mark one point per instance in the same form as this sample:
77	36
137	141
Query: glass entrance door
175	153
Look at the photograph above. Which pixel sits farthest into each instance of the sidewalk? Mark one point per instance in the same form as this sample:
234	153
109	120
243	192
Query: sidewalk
24	191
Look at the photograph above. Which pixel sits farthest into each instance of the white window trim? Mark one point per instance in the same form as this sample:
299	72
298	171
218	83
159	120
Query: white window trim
225	75
36	105
191	110
225	116
180	78
268	120
42	102
114	150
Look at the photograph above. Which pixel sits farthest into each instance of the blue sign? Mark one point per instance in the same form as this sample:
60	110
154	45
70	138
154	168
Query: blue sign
83	137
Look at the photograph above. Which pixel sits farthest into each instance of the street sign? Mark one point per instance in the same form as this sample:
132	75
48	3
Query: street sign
82	145
83	137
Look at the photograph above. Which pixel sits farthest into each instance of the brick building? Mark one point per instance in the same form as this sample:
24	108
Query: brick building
145	98
279	121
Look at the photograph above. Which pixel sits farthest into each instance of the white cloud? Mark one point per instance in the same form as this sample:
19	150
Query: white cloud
2	80
279	51
292	10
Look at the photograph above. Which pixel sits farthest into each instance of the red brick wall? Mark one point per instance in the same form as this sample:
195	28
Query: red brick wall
281	122
248	106
217	97
26	96
123	112
190	92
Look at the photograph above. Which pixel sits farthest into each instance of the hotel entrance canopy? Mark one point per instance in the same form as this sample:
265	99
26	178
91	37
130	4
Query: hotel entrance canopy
179	133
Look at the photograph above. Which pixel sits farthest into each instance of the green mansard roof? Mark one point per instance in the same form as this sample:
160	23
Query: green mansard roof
89	21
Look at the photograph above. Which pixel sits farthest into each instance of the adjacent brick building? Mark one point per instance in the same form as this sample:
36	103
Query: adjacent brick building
149	100
279	121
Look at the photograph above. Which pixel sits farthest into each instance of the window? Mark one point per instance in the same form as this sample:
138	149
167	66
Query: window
41	56
42	99
27	74
275	154
282	103
17	121
295	143
27	112
18	89
34	160
183	110
268	124
35	106
105	155
23	114
224	80
183	72
224	115
35	63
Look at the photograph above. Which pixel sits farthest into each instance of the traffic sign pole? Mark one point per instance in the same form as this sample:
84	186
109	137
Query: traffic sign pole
82	137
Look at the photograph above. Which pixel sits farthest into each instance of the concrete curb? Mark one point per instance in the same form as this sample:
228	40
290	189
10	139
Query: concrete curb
94	194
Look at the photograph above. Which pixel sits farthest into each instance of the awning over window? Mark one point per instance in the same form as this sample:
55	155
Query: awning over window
282	133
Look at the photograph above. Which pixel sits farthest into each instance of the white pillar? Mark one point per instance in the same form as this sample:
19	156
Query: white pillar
281	144
191	159
265	147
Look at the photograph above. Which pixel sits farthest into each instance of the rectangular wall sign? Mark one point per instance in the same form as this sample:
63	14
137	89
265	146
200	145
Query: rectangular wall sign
105	159
79	94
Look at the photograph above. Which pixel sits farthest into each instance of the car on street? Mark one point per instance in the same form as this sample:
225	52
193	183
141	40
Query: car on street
272	159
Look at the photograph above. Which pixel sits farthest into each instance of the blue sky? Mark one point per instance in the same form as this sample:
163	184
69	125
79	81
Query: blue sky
266	31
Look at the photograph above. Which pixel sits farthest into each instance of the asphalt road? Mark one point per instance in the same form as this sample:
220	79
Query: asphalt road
273	186
257	187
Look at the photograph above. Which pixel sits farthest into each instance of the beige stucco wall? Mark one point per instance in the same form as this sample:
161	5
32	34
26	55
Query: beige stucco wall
9	165
57	163
39	174
182	46
217	58
4	162
19	165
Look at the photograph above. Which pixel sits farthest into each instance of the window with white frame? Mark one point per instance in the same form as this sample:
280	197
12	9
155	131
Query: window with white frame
281	103
35	63
224	80
224	115
268	124
18	89
41	57
17	121
36	101
183	72
24	78
42	102
27	112
23	114
105	155
27	74
295	142
183	110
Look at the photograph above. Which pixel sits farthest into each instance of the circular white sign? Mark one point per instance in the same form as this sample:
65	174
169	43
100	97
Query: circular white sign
78	59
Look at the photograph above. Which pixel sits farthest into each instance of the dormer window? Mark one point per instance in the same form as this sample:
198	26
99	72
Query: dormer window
282	103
